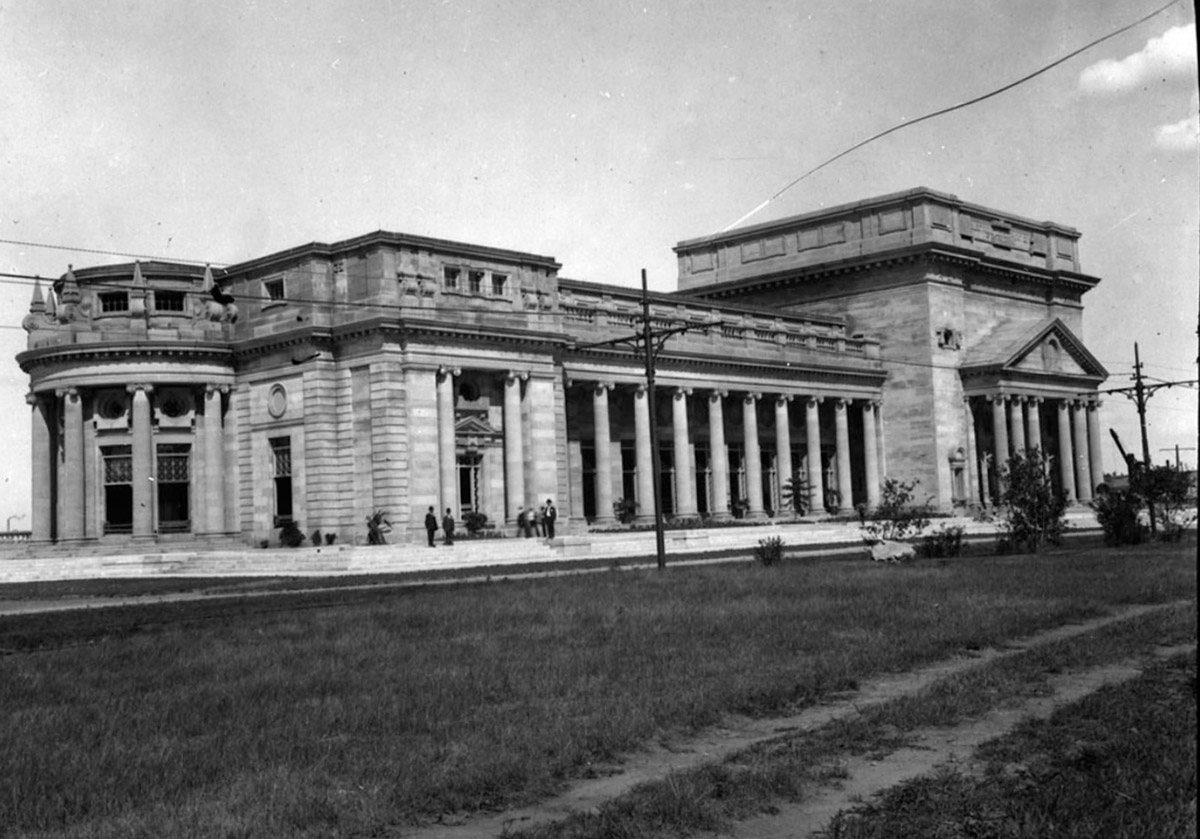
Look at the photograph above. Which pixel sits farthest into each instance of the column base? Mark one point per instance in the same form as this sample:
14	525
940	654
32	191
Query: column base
724	515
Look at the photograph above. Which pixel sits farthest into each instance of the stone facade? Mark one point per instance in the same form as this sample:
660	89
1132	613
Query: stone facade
973	308
913	335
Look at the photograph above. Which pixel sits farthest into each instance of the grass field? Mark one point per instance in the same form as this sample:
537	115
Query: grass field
341	719
1120	764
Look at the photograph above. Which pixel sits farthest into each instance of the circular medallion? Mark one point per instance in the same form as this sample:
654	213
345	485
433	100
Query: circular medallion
112	406
172	406
277	401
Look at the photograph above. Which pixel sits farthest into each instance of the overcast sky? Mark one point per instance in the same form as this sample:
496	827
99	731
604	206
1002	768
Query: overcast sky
597	132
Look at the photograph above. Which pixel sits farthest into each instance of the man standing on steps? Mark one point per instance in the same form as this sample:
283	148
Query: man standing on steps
551	515
448	527
431	526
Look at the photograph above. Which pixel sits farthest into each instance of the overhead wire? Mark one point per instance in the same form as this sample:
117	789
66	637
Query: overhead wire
940	112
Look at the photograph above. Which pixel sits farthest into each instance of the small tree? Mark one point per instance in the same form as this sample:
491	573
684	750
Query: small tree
796	494
377	526
290	534
897	516
1034	510
1168	490
474	521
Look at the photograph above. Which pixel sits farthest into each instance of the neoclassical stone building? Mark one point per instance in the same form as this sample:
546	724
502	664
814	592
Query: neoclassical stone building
913	335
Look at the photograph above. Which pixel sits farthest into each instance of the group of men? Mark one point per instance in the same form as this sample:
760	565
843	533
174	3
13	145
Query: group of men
541	520
528	519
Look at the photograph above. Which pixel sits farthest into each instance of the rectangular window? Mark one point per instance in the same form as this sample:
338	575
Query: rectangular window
475	281
273	289
114	301
281	470
168	301
450	278
118	488
499	283
173	483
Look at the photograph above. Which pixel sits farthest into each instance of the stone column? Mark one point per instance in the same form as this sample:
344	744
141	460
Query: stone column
718	455
514	449
685	486
754	493
1016	416
1066	456
1035	425
604	483
42	459
783	442
1083	466
447	452
812	432
143	462
1095	439
214	456
647	503
984	474
842	428
871	462
1000	436
974	494
72	492
230	476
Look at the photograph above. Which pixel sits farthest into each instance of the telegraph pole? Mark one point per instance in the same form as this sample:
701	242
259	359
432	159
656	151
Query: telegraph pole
1140	393
650	342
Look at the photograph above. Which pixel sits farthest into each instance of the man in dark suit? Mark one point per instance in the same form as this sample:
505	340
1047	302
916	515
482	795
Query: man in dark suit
551	516
431	526
448	527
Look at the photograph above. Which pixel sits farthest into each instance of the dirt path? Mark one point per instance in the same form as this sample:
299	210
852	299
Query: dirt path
932	748
660	759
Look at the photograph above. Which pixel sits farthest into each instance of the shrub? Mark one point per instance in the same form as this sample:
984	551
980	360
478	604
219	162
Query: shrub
1167	491
625	509
290	535
377	527
946	541
1034	514
769	551
474	521
316	537
330	538
897	517
1117	512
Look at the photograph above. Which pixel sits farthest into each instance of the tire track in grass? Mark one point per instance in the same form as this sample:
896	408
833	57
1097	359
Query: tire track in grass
934	748
662	759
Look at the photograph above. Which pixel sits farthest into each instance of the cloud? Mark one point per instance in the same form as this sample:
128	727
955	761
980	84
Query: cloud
1171	56
1180	136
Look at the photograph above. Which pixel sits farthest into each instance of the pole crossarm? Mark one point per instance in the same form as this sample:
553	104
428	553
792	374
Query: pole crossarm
658	337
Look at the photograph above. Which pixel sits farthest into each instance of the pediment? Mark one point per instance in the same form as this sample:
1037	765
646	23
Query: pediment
1049	347
474	425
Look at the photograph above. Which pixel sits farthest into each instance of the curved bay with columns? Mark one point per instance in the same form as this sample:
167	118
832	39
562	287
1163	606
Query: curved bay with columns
131	443
1065	427
728	448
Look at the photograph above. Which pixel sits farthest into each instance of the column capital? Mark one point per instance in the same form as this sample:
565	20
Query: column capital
33	398
682	392
212	387
783	398
603	385
751	396
445	370
814	401
71	393
1001	398
516	375
841	403
1035	400
1094	404
716	394
142	386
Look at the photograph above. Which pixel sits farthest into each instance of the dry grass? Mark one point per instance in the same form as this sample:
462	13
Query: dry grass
340	720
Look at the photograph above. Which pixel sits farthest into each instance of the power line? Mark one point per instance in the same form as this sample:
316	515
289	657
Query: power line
960	105
108	253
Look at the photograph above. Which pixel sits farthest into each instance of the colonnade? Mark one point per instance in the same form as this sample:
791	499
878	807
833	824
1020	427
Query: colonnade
1016	426
68	470
685	491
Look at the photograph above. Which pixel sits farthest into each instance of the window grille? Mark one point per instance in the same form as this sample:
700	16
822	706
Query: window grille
168	301
114	301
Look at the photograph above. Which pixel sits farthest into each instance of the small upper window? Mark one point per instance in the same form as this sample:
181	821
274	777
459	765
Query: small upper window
273	289
114	301
499	283
450	277
475	279
168	301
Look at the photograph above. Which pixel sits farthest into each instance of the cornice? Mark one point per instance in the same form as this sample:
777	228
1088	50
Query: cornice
174	350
